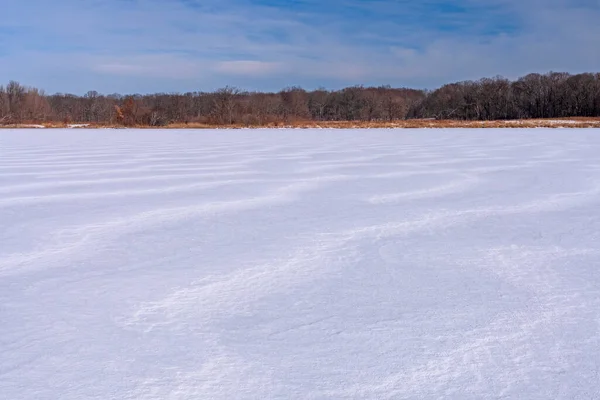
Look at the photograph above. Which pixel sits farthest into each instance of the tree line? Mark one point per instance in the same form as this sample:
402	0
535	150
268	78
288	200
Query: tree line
550	95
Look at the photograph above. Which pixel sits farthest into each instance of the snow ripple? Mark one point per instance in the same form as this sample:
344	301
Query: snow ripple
299	264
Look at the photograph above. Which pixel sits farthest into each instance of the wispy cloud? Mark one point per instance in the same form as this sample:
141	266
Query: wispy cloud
249	68
167	45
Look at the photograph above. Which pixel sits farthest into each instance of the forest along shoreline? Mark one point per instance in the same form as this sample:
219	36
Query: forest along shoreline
555	99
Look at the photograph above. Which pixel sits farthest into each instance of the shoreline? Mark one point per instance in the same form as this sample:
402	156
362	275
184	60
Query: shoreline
578	122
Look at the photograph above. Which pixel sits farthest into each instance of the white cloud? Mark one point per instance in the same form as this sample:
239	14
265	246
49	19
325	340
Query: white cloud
166	66
249	68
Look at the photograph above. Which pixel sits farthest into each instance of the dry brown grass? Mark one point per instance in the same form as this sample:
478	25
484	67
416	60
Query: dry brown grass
576	122
411	123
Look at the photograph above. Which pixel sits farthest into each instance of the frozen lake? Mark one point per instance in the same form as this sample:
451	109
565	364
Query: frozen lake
300	264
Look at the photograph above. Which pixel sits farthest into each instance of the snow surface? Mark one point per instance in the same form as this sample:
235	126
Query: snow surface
305	264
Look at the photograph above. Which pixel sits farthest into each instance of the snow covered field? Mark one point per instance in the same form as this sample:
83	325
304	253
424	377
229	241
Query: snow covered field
301	264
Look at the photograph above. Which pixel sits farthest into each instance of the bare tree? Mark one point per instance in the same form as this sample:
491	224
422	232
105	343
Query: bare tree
224	105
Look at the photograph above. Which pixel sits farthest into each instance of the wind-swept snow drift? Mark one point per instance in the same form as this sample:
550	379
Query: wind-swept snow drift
304	264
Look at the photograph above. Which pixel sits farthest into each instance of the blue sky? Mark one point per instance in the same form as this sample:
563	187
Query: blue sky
147	46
